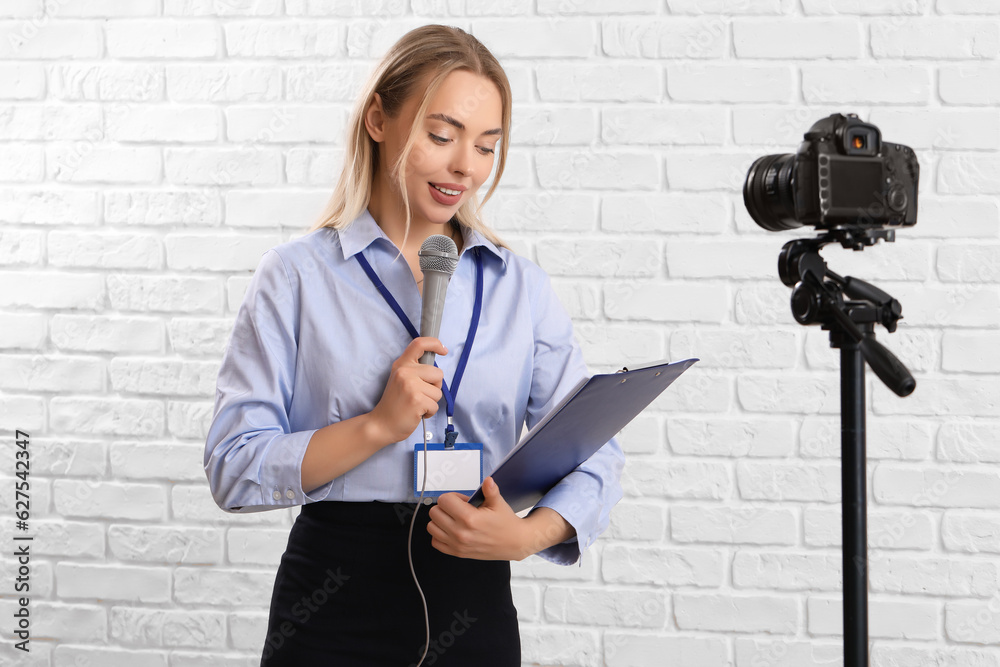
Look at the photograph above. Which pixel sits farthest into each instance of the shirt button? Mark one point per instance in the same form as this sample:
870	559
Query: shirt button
428	435
289	494
276	495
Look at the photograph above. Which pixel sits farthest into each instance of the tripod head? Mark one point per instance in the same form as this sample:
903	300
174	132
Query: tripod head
818	298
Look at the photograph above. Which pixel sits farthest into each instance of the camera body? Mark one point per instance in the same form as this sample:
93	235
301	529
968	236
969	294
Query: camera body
842	177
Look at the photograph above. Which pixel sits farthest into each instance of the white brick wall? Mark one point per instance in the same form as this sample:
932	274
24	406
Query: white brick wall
151	150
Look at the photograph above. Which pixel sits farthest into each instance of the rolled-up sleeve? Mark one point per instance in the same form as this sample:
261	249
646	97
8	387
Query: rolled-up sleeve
253	460
586	495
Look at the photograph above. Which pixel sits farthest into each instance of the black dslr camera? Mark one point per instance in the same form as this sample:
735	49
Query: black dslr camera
842	178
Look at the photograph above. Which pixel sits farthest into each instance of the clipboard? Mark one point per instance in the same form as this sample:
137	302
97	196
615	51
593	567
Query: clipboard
590	414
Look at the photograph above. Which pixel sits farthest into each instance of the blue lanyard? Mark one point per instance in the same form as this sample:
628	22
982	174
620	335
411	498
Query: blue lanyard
449	394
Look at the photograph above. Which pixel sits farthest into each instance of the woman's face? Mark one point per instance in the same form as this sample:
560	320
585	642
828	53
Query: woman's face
455	144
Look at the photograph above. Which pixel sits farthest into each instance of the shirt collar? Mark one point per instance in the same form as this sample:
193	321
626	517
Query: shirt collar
364	231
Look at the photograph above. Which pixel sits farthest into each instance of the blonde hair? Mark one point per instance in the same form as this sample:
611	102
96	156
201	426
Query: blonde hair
435	51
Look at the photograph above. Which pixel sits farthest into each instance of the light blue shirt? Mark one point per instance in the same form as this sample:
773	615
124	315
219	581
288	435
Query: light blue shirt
313	343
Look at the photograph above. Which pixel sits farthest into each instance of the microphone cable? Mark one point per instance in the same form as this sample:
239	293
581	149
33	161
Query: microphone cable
409	549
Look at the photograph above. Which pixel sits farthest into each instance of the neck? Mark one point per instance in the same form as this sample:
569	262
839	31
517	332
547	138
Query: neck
390	214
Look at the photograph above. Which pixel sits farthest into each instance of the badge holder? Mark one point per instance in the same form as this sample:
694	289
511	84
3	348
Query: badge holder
458	468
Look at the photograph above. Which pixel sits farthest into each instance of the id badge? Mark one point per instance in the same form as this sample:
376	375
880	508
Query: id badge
457	469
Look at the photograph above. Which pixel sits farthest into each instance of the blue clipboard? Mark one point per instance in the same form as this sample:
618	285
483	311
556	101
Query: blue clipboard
592	413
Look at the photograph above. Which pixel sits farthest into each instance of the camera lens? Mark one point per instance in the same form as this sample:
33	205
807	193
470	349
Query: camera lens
768	193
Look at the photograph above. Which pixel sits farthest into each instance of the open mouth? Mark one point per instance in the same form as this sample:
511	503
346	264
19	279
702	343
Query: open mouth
450	193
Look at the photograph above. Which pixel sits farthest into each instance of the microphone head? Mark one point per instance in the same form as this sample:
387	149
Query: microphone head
438	253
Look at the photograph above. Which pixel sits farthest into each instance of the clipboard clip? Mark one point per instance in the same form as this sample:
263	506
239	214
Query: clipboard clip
623	370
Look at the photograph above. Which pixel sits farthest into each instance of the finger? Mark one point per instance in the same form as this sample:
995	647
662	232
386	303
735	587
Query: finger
441	521
422	344
456	508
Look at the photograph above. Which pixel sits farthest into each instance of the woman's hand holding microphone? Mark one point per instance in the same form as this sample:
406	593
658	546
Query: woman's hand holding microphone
412	392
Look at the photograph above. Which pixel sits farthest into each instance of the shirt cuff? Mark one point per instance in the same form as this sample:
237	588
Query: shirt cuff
280	475
561	499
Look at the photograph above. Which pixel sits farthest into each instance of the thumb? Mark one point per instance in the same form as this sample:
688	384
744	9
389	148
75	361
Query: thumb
491	491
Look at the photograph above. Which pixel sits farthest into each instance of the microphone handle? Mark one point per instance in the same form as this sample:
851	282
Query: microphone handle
435	288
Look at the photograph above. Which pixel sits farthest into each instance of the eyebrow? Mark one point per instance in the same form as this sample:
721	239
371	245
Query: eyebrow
451	121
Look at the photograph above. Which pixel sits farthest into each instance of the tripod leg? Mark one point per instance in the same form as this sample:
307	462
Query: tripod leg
853	504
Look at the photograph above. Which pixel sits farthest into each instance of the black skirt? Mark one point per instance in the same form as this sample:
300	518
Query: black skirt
344	596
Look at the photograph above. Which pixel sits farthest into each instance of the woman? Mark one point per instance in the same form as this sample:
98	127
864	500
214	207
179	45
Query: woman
321	396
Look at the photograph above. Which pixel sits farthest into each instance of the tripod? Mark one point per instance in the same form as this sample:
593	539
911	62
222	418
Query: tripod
818	297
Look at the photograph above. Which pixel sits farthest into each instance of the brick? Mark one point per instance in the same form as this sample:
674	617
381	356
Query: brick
969	84
787	652
865	7
791	38
971	442
969	396
968	174
89	333
41	38
887	529
717	170
599	257
154	123
895	484
763	304
544	211
971	352
614	344
335	82
25	331
973	622
112	582
622	649
162	39
285	123
733	525
719	259
231	82
161	460
199	336
20	247
787	571
734	613
643	435
551	38
69	623
586	168
724	7
938	38
972	532
167	627
718	82
567	82
109	500
109	250
866	84
694	213
227	8
22	81
932	576
979	263
554	126
948	129
272	208
163	376
212	586
127	82
674	38
816	482
466	7
892	619
22	164
106	416
91	163
372	39
100	8
965	7
217	252
50	289
731	437
620	608
164	293
949	306
789	393
664	125
107	656
157	207
189	419
284	38
34	122
70	457
642	522
917	656
173	544
319	166
661	566
255	546
886	438
70	538
558	646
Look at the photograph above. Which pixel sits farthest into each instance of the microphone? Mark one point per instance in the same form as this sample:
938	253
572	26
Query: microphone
438	260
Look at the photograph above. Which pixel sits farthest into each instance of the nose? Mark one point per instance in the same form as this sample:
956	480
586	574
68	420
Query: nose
463	161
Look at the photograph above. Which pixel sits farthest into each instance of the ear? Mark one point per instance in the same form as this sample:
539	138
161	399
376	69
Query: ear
375	119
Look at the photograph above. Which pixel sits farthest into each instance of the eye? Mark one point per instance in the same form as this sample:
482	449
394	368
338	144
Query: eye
436	139
486	151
